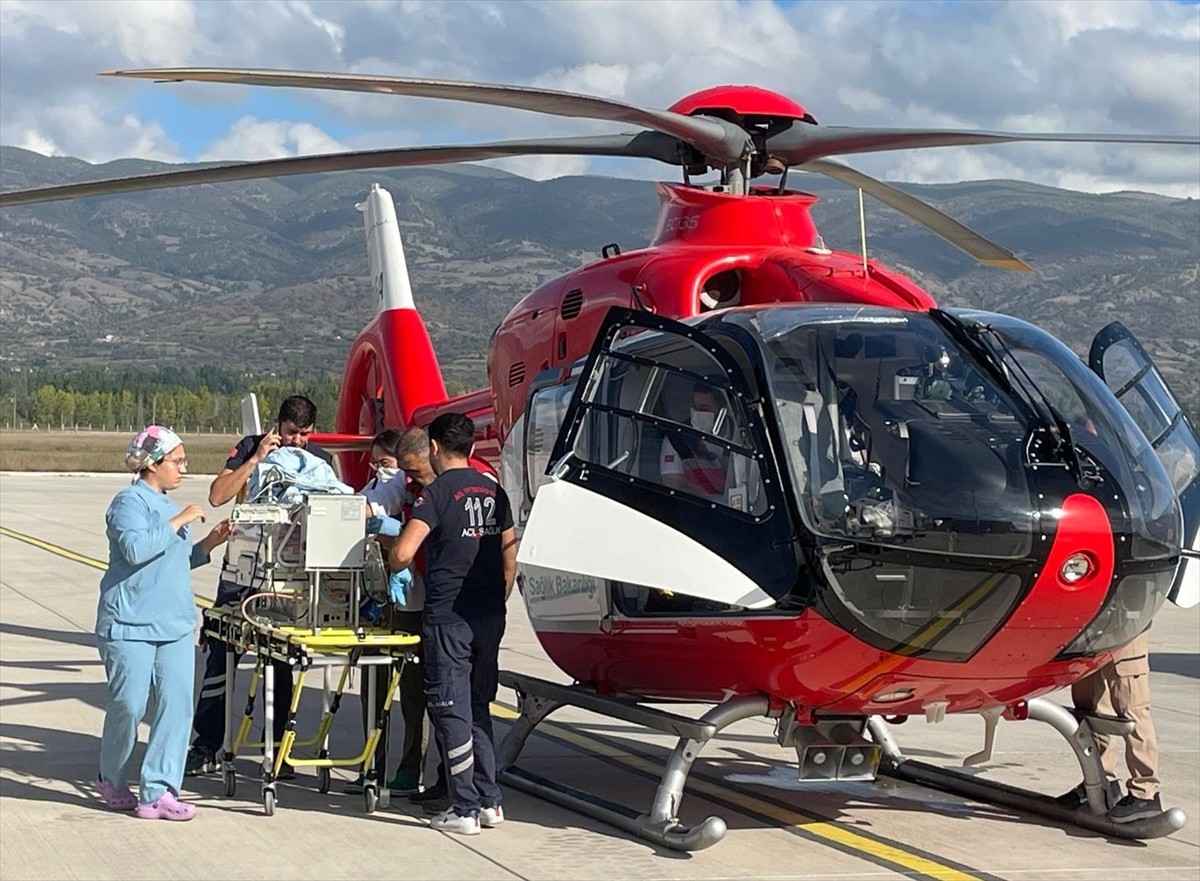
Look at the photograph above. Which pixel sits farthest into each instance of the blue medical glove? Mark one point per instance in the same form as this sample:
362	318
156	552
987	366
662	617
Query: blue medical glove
370	612
388	526
398	585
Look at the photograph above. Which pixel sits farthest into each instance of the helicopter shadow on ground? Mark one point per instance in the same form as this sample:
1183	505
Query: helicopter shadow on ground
891	794
1179	663
738	771
37	761
58	765
742	771
617	728
10	630
33	756
29	757
56	686
346	740
27	772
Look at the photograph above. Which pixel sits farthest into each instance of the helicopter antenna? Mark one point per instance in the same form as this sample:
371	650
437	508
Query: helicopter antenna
862	229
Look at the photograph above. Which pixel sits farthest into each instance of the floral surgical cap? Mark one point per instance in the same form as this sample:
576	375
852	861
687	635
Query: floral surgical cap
149	446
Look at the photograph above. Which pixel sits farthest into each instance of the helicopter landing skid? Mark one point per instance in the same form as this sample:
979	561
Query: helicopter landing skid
1078	733
538	698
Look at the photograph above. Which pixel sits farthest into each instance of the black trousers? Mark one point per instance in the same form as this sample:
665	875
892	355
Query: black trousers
412	705
209	721
462	662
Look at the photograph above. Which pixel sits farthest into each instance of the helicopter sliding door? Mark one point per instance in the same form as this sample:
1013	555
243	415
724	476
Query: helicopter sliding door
661	478
1119	359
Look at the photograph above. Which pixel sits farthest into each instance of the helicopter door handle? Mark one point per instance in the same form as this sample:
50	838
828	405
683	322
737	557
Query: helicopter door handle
562	346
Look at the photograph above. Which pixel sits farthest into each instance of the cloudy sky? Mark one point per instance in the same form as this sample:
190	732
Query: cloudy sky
1062	65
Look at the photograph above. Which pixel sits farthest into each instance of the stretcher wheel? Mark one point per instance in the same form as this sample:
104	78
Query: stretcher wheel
371	799
268	799
323	779
230	784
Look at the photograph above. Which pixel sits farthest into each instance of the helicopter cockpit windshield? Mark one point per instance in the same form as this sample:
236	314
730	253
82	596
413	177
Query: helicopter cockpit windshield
901	433
1105	440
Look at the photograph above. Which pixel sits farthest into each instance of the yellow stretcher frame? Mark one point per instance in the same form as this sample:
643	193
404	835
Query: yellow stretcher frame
305	648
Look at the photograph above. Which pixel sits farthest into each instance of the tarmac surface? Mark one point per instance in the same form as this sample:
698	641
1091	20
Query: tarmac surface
53	826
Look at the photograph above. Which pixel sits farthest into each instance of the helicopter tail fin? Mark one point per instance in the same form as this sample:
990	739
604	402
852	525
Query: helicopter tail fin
385	252
391	369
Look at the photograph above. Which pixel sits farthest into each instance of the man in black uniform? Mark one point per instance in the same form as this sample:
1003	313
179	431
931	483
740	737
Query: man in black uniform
297	419
465	524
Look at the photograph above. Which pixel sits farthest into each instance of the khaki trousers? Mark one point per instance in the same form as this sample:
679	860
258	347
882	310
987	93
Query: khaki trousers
1122	688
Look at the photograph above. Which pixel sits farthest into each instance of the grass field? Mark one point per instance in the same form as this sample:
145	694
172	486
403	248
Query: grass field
99	451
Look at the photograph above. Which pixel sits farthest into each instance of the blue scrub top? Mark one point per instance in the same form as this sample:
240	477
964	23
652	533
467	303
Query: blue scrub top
146	594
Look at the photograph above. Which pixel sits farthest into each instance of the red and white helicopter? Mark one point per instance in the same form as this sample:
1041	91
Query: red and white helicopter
756	472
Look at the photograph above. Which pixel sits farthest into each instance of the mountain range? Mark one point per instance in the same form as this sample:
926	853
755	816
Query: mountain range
271	274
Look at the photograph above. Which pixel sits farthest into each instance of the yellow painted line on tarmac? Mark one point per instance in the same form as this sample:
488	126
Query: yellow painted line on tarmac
53	548
815	827
59	550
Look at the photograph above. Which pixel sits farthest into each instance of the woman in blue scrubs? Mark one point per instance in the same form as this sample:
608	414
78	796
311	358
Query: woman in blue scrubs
145	624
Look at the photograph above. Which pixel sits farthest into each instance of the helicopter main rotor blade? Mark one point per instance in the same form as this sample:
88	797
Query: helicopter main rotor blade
935	221
715	138
800	144
640	145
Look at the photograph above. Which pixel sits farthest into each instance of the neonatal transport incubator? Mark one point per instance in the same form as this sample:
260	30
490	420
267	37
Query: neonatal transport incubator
306	566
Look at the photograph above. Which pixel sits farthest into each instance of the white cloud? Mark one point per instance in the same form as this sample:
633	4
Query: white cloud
251	139
542	167
95	134
306	14
38	143
1079	65
147	34
602	80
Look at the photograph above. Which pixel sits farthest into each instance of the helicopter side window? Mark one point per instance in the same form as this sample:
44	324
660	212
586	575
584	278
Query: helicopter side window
547	410
1155	412
661	418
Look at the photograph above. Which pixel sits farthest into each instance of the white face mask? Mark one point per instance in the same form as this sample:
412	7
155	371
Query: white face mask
385	473
702	420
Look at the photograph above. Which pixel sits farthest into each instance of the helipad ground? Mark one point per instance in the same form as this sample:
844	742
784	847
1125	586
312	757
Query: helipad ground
52	825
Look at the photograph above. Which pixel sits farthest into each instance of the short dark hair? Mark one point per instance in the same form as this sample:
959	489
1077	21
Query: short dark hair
388	440
413	442
298	410
454	432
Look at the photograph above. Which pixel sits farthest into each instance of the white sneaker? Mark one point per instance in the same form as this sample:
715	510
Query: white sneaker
448	821
490	818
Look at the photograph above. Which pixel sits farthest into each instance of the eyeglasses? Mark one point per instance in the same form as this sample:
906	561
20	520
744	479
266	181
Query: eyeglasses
181	464
375	466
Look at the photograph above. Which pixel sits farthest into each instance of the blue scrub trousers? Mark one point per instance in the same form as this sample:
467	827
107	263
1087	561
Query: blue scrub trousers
164	674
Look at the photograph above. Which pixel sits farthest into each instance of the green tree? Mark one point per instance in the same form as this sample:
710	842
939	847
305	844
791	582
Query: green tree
66	407
45	406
